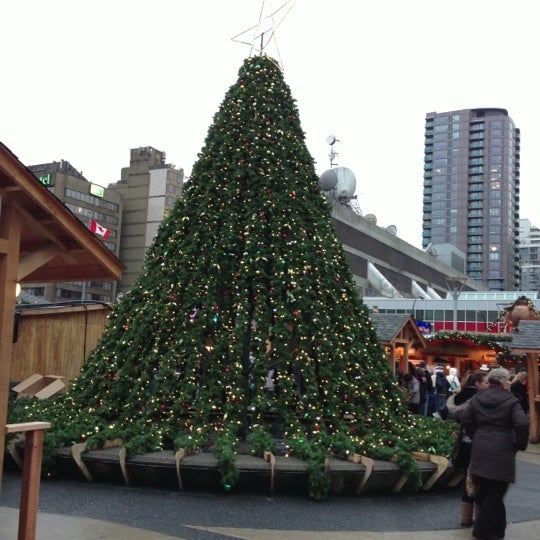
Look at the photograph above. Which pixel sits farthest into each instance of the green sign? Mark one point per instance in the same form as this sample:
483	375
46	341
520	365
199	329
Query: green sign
46	180
96	190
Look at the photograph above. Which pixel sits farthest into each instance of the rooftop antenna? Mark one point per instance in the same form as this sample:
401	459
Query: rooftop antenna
331	140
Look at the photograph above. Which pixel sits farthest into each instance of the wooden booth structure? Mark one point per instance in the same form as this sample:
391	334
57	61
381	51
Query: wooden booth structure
401	338
40	241
55	339
465	351
526	341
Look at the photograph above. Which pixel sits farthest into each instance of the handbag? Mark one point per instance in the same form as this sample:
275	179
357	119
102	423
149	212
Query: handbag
461	452
471	484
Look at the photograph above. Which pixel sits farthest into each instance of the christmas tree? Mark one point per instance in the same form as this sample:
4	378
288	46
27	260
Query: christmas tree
245	324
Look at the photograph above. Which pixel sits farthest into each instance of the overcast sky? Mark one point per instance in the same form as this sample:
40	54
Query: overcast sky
86	81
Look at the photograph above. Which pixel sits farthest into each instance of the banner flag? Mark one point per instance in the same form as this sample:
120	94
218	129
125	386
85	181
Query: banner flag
99	229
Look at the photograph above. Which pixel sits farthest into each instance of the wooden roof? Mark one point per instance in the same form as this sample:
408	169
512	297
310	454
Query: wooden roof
390	326
526	337
54	245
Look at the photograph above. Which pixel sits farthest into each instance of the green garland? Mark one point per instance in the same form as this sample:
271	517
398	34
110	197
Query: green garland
491	341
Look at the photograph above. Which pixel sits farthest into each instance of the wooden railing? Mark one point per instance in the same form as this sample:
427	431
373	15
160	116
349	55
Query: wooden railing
31	475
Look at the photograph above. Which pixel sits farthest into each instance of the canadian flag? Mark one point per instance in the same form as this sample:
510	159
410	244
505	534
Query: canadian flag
99	229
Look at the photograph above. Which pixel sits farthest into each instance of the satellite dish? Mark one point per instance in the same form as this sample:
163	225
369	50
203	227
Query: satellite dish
372	218
346	181
331	139
392	229
328	180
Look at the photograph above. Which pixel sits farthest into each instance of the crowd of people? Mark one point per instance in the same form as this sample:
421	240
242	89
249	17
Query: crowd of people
492	409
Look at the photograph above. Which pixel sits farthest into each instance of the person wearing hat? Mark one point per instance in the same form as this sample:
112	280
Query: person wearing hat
498	427
442	389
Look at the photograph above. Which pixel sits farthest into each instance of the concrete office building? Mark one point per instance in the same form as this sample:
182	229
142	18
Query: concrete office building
149	187
384	265
89	202
529	254
471	191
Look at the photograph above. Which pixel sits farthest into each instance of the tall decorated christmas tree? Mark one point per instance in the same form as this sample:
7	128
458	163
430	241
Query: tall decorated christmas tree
245	324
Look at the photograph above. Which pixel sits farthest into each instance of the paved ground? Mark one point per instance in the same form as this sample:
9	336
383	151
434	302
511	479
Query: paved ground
77	510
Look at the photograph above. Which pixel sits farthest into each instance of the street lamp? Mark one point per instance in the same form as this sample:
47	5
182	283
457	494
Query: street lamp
482	316
455	286
413	312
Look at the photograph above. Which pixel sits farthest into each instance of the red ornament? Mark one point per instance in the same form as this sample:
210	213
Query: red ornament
293	194
390	443
295	313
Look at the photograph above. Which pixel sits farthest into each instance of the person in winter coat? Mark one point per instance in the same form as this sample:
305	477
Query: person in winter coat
442	389
426	386
498	427
461	456
519	389
412	391
453	380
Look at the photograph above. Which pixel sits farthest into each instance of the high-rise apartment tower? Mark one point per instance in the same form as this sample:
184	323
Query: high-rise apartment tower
471	191
529	252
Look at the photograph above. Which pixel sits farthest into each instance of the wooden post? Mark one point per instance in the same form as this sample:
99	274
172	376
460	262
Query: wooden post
10	234
534	400
33	450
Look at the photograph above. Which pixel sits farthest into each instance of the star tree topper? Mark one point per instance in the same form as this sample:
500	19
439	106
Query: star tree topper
263	34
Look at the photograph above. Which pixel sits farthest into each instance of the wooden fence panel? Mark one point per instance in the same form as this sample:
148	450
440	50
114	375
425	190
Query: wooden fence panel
56	340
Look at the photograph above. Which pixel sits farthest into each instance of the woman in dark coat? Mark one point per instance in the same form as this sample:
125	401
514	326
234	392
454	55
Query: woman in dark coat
498	428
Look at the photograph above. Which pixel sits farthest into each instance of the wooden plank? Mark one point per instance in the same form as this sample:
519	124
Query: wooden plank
76	453
534	405
56	340
442	464
31	477
27	426
178	457
10	230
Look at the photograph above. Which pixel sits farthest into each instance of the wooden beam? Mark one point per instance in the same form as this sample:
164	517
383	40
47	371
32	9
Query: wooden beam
36	259
10	230
36	225
534	405
4	245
